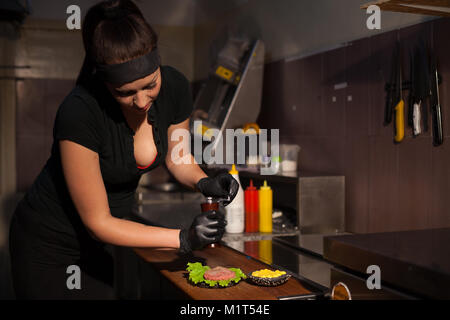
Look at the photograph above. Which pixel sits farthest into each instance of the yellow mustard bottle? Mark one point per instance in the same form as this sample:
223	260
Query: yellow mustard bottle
265	208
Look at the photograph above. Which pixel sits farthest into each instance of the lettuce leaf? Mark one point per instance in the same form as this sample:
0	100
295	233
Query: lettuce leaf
197	270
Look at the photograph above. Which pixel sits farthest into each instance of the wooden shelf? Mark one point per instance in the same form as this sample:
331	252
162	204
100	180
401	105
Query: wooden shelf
426	7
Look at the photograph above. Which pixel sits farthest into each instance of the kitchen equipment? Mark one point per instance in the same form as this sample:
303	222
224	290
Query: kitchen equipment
421	82
289	157
211	204
340	291
265	208
394	100
390	88
235	210
231	96
399	124
312	201
251	208
419	89
435	105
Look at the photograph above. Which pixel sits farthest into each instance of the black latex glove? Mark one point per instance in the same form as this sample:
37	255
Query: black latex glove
208	227
221	186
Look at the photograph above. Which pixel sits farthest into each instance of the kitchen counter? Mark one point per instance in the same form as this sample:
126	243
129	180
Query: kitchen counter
281	256
416	262
172	267
309	243
177	210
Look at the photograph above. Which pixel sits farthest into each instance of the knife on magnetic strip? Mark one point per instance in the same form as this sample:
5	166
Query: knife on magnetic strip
436	115
399	123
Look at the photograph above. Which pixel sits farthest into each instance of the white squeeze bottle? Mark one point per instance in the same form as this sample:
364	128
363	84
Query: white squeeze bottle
234	212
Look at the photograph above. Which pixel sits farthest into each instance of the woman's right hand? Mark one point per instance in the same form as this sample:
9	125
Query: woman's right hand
208	227
220	186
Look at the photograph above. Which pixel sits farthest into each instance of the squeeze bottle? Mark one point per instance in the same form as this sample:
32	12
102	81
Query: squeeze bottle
234	212
265	208
251	209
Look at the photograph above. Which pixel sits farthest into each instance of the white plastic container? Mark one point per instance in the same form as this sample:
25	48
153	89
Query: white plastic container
234	212
289	157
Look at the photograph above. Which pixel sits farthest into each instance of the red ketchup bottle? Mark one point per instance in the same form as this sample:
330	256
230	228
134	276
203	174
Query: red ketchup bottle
251	209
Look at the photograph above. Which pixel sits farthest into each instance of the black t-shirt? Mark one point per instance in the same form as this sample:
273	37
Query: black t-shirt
92	118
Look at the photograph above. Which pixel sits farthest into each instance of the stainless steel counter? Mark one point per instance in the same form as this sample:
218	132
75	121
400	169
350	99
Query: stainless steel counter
415	262
284	257
309	243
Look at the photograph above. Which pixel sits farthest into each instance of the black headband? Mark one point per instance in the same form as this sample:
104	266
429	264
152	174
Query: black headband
131	70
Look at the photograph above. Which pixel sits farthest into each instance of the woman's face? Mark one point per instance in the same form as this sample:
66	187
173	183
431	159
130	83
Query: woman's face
137	97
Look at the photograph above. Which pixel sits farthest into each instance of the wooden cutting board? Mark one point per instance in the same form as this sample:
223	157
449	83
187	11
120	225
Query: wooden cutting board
173	267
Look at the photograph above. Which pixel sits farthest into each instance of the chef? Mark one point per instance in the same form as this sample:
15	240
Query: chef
112	128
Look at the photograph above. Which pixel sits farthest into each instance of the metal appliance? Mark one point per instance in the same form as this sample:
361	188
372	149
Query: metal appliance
231	97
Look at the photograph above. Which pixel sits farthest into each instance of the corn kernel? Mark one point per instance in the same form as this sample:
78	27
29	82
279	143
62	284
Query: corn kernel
266	273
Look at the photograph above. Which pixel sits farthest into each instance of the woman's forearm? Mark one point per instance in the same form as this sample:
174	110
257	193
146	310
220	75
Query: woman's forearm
187	174
127	233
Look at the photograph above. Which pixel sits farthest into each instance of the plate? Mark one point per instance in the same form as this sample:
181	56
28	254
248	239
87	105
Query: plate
268	282
217	286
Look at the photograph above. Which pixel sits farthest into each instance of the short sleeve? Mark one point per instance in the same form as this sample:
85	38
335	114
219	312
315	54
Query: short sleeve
184	104
76	121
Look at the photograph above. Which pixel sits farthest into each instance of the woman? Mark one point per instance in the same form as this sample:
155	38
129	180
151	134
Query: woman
113	127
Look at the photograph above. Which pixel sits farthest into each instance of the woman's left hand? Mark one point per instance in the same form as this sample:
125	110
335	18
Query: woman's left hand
221	186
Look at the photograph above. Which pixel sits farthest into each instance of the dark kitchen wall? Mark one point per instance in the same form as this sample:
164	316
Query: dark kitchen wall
289	28
388	187
37	102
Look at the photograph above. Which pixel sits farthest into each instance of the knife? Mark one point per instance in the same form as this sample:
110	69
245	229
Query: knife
416	119
400	106
435	105
414	115
390	88
422	79
412	92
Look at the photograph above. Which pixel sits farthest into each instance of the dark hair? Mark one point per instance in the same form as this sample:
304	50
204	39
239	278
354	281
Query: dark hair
114	31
